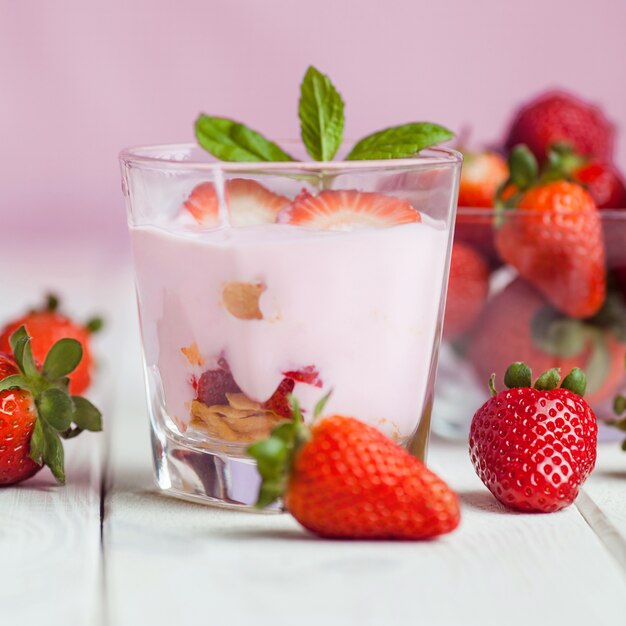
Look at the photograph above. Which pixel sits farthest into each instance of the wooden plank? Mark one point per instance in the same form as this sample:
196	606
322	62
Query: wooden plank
603	501
174	562
50	536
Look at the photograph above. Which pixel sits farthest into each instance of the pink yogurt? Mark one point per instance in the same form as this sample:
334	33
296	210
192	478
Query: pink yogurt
362	307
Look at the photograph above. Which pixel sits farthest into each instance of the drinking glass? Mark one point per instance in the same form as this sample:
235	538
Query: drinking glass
239	311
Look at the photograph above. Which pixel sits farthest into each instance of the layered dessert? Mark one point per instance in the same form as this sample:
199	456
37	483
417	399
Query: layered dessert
248	296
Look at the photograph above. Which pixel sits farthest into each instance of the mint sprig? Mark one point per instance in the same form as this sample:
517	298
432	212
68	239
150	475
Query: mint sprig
399	142
321	116
321	113
58	415
231	141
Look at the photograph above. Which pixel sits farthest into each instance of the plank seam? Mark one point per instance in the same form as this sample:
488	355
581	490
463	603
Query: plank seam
606	532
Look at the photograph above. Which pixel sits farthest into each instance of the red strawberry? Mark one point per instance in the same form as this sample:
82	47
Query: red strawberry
519	323
534	447
249	203
481	176
36	409
344	479
557	245
45	327
213	385
17	419
308	375
279	402
467	289
604	183
561	117
347	210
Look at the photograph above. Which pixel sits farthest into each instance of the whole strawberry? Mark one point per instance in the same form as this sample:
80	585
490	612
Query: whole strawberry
556	240
467	289
519	323
36	410
45	327
481	176
601	179
561	117
343	478
534	447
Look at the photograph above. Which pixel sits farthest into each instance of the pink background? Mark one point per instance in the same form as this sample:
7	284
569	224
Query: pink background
81	79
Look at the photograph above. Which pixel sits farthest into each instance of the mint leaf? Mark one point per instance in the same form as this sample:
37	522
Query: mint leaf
399	141
86	416
55	408
62	358
321	115
231	141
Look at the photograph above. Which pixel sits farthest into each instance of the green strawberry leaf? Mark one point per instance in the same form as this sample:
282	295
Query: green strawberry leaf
37	443
62	358
321	115
53	455
15	381
94	324
576	382
518	375
269	492
619	405
228	140
549	380
55	407
86	416
399	141
523	167
558	335
321	404
271	456
20	346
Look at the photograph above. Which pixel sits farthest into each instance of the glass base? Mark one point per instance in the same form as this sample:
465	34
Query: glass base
205	475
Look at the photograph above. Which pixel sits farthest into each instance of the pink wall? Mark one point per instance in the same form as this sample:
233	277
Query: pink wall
81	79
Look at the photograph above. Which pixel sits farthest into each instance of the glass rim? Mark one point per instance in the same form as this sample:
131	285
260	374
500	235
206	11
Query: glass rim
490	212
133	155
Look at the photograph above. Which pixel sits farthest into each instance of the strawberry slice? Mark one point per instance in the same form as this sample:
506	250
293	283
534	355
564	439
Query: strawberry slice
347	210
249	203
308	375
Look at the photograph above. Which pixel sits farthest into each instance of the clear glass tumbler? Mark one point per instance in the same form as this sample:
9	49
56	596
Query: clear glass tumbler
251	287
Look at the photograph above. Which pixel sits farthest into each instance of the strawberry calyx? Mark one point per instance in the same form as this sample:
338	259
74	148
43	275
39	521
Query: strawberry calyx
275	454
519	376
52	304
58	414
561	163
523	174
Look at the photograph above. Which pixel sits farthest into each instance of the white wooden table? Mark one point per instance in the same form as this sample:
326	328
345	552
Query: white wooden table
108	549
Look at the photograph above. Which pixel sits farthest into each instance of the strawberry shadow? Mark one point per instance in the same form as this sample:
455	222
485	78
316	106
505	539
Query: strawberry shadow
482	500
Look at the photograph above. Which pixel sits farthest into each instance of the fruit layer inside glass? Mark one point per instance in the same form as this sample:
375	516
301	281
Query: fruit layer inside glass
245	300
